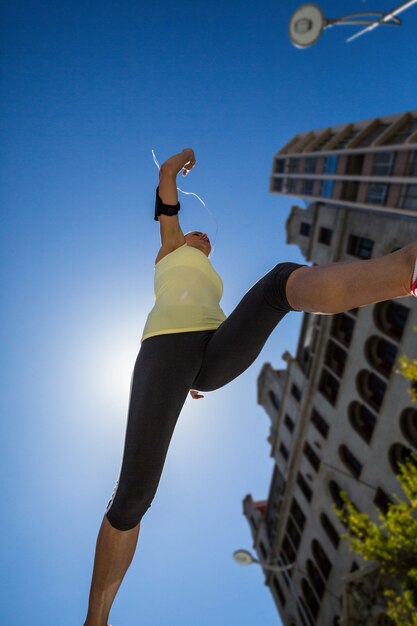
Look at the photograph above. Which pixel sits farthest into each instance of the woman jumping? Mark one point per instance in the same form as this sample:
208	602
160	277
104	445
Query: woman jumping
189	345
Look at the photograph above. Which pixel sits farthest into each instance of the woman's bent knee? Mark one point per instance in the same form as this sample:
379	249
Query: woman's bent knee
126	509
120	521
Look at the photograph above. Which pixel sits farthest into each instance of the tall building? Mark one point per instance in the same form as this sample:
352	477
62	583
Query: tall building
341	416
361	165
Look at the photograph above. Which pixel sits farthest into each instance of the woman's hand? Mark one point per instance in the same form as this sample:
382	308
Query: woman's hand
195	395
188	166
184	161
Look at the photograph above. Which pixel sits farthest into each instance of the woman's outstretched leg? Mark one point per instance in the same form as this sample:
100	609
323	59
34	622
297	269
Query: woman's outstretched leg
114	553
340	286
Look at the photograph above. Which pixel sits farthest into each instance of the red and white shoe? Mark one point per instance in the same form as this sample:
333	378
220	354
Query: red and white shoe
414	282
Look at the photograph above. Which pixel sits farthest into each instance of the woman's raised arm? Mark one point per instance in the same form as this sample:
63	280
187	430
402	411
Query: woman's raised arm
172	236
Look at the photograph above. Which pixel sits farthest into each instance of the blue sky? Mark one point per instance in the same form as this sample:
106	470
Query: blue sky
88	90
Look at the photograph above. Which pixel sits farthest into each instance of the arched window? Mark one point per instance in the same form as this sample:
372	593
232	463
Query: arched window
398	454
362	420
304	614
330	530
274	399
390	317
335	494
371	388
315	578
350	461
309	597
408	425
342	328
321	558
381	354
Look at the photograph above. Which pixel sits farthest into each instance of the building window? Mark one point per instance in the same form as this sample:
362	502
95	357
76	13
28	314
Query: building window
279	166
289	423
335	358
309	165
382	501
330	530
307	188
279	591
295	391
408	197
350	461
284	451
304	487
381	354
376	193
329	386
321	558
274	399
383	163
325	235
335	490
408	425
310	598
312	456
277	184
360	247
350	190
390	318
320	423
398	453
342	328
315	578
297	514
304	614
293	533
412	165
288	550
293	166
305	229
330	164
362	420
354	164
326	188
292	184
371	388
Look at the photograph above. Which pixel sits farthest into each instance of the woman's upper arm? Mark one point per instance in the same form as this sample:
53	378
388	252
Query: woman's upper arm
172	236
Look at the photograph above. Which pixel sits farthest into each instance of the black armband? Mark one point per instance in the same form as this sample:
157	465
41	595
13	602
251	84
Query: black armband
164	209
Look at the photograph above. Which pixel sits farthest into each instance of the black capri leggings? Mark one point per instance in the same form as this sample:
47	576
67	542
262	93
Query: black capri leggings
167	367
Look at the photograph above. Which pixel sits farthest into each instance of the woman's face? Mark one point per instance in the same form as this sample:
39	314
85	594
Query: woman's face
198	240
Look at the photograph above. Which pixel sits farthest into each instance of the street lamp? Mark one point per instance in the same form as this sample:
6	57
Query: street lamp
308	22
244	557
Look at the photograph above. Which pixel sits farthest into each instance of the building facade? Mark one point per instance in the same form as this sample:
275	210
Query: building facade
362	165
341	415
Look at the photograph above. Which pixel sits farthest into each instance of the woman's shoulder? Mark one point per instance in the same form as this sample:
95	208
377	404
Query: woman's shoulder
166	251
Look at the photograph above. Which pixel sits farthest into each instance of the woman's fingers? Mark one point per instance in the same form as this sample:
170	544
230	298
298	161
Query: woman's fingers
188	167
195	395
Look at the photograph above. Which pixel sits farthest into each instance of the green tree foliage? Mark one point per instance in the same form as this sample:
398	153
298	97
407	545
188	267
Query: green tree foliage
392	543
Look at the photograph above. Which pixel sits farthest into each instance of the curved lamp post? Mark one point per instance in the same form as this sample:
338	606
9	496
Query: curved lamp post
308	22
244	557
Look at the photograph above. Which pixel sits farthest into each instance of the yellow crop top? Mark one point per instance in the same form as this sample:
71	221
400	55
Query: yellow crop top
187	294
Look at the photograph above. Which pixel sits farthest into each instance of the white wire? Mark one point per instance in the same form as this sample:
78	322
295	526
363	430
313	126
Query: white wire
190	193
